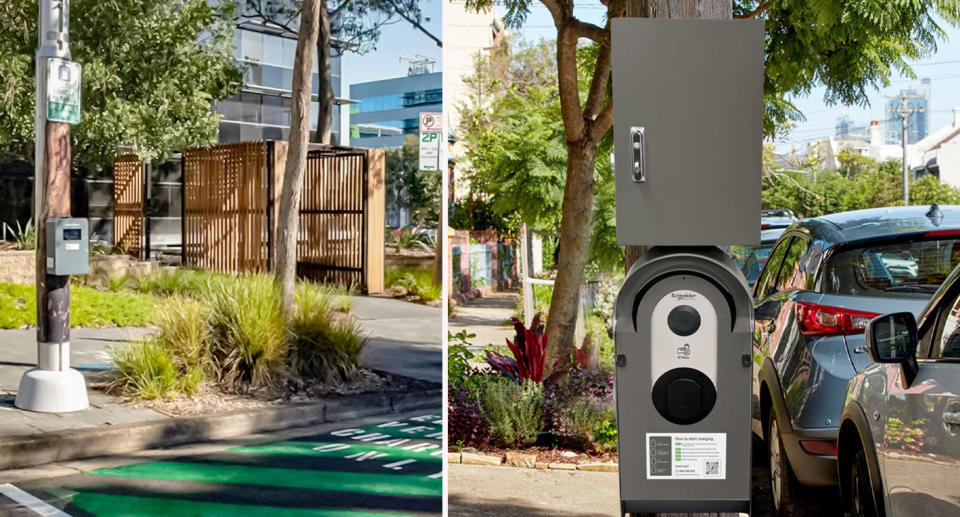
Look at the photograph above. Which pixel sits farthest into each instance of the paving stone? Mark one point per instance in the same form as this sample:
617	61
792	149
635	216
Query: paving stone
563	466
599	467
479	459
519	459
542	465
453	457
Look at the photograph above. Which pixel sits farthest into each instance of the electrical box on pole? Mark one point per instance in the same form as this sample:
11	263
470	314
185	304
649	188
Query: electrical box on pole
688	119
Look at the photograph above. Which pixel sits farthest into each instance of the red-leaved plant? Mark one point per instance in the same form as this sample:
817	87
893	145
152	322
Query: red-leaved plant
529	348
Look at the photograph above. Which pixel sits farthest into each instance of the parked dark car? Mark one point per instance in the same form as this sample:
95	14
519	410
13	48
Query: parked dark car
898	450
824	280
752	258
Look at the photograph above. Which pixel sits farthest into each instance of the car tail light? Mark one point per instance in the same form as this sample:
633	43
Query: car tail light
943	233
764	226
820	447
821	320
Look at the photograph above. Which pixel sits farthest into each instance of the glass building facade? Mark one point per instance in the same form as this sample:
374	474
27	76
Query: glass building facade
918	125
389	109
262	109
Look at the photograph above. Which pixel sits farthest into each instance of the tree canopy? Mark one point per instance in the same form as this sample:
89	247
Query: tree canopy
516	151
150	73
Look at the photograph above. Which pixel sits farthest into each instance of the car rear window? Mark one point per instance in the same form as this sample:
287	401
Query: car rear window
910	269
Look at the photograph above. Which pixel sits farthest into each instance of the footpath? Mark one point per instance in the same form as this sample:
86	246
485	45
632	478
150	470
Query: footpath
403	339
487	317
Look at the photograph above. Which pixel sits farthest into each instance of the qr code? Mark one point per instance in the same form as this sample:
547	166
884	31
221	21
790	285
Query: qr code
713	468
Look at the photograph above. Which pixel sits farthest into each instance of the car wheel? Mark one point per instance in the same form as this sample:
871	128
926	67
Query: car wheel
784	486
861	497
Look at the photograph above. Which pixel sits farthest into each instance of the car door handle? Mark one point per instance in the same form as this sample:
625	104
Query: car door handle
951	417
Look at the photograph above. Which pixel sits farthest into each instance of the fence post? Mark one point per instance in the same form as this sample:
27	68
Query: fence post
525	285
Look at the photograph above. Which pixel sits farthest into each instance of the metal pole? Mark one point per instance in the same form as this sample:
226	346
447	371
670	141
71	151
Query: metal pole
53	386
906	182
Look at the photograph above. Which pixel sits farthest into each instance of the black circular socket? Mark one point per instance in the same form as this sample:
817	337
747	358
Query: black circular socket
683	320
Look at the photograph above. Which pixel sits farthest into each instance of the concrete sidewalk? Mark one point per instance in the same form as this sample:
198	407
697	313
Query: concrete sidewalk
404	339
487	317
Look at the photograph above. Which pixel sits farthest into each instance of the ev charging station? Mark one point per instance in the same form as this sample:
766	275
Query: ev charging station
688	142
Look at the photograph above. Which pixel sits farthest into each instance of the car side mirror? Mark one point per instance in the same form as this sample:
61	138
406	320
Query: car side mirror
767	311
892	339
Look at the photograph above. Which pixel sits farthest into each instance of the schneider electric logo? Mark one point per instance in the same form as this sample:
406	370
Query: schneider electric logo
683	296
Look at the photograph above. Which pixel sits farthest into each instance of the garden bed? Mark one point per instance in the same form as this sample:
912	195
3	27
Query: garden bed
211	399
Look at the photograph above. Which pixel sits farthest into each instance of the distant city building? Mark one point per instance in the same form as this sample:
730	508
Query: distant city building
918	122
937	154
389	109
847	129
262	108
477	32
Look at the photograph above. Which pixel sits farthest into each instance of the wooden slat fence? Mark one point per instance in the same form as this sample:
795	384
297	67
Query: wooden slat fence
225	207
231	193
128	220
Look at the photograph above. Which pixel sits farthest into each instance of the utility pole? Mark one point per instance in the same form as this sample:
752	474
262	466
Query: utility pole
53	386
904	111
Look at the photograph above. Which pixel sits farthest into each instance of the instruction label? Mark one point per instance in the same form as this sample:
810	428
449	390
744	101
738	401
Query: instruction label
687	456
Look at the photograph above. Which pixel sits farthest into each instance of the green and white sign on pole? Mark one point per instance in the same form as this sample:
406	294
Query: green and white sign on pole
431	135
63	91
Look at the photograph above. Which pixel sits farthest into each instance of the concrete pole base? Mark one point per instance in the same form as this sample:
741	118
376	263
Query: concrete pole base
48	391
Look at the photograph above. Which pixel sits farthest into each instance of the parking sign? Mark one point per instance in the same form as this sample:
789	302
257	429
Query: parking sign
63	91
430	151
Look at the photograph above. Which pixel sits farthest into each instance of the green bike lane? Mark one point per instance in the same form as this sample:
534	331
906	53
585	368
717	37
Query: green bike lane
387	466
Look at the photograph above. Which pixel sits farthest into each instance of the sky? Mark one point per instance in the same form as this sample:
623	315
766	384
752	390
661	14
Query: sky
397	40
942	67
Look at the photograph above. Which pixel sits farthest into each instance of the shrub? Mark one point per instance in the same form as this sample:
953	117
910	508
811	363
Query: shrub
249	340
605	434
515	411
466	423
188	282
460	373
529	349
568	420
414	281
145	370
185	331
322	346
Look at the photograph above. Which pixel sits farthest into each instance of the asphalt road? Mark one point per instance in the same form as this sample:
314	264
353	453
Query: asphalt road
369	467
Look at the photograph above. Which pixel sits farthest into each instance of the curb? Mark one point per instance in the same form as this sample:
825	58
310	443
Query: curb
467	458
71	444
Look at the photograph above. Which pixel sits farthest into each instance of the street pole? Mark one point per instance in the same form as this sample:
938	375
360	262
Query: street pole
904	112
52	386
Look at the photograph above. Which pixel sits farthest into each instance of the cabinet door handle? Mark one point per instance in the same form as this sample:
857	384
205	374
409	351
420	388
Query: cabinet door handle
951	417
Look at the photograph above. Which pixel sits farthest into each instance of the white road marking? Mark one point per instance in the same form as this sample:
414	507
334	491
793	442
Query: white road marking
30	502
398	465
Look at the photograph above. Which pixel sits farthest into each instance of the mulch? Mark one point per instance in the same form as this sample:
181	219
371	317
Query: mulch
549	455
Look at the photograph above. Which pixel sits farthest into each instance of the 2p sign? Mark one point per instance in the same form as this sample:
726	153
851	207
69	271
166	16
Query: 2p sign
430	151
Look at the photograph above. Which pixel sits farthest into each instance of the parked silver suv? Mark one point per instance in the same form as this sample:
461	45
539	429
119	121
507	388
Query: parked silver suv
898	451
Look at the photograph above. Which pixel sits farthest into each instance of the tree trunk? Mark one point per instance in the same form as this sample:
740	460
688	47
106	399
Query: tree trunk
687	9
325	96
287	224
574	241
